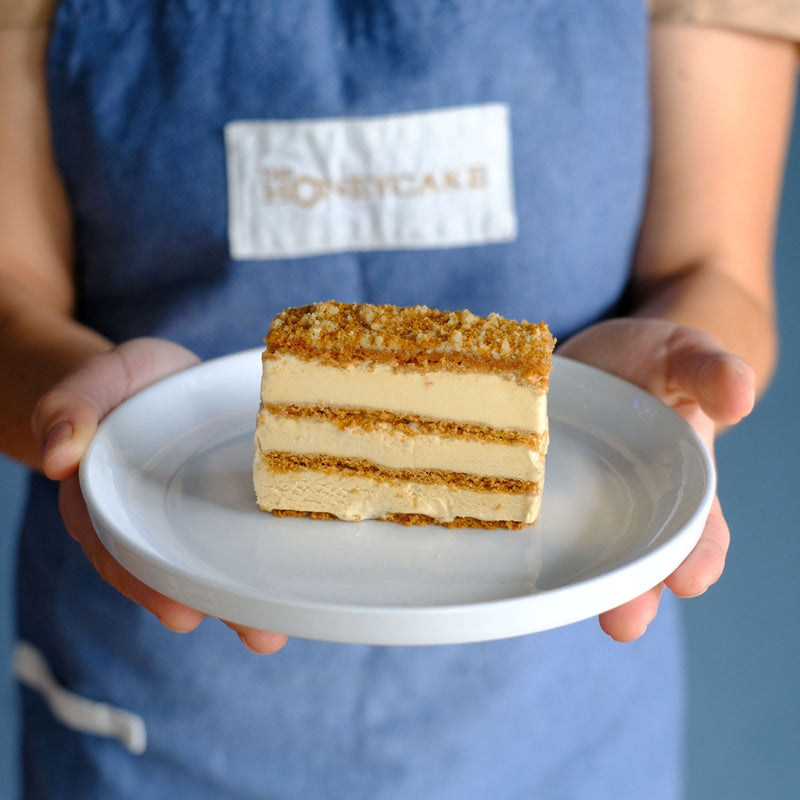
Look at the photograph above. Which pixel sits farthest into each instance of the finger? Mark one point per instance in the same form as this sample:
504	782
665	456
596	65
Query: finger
630	620
258	641
721	383
705	564
173	615
66	418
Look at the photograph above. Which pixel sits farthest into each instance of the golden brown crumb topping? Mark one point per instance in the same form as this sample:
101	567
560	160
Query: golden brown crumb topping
418	337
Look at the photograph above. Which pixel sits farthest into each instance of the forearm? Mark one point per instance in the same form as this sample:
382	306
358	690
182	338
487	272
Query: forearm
722	111
39	344
39	339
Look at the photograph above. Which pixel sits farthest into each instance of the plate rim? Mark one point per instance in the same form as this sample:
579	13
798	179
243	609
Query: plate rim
425	624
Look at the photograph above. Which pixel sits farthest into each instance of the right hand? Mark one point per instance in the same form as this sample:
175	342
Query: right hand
711	389
64	422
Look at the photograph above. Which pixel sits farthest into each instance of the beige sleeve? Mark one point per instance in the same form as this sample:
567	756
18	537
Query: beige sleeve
778	18
26	13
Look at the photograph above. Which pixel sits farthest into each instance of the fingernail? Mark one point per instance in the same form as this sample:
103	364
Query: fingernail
168	624
746	374
57	436
262	642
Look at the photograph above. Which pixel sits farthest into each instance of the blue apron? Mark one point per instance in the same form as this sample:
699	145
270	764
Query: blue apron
141	92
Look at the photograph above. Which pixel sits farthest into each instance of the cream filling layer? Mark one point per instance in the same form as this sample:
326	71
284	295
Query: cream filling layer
482	398
354	498
389	448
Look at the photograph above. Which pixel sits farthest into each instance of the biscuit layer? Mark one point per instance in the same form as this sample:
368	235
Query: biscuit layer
404	445
354	497
480	399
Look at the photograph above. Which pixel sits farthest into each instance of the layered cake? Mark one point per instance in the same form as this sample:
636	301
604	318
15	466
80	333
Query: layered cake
411	415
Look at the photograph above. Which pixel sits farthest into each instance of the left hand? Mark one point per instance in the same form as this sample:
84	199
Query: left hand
710	388
65	420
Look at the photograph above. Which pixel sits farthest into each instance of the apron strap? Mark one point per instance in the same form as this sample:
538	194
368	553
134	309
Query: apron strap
74	711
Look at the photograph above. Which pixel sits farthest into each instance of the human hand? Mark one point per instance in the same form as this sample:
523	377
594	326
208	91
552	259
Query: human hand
64	421
710	388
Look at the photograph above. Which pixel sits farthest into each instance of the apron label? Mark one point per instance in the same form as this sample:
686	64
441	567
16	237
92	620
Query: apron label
406	181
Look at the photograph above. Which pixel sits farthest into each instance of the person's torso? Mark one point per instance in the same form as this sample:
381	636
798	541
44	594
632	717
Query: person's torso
142	93
473	154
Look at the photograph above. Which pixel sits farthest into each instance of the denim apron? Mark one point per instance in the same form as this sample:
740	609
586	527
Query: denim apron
142	96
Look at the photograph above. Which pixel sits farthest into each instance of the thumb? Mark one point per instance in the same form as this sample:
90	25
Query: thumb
66	417
722	384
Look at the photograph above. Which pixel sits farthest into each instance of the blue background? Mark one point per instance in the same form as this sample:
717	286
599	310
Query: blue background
743	635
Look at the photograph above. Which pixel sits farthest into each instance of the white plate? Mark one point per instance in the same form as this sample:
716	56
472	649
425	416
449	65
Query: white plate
167	480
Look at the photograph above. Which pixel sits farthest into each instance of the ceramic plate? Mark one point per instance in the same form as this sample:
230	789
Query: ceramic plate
167	480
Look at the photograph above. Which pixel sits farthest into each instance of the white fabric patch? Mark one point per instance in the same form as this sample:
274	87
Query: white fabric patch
422	180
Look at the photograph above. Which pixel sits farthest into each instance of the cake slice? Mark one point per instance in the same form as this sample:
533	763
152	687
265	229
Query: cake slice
404	414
